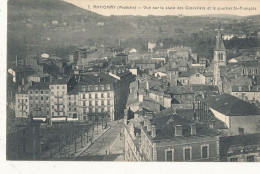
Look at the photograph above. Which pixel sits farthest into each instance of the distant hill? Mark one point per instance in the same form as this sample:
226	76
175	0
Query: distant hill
31	31
43	9
224	16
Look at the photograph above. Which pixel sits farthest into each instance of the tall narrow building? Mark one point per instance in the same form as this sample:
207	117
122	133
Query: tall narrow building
219	59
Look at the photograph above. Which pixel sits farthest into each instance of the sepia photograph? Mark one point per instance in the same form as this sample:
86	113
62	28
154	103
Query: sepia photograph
132	81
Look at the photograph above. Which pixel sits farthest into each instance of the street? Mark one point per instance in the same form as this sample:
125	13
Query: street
109	147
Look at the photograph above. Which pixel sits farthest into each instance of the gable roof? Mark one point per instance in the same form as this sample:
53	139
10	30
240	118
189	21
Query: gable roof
232	106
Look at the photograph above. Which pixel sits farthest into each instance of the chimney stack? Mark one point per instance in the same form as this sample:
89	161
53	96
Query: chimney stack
149	126
153	131
193	129
147	85
178	130
140	98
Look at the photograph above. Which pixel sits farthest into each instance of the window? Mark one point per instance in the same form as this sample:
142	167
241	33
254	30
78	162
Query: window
48	113
69	98
108	95
233	159
52	106
243	71
102	87
41	98
90	103
96	87
36	92
41	92
169	155
102	95
187	154
96	96
102	102
36	98
57	87
89	96
69	103
250	158
108	102
197	75
52	87
47	92
84	97
84	103
108	87
47	105
205	151
96	102
63	87
25	100
241	131
47	98
31	92
75	109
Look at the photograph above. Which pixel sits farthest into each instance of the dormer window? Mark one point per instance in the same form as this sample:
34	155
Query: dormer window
102	87
96	87
89	87
83	88
108	87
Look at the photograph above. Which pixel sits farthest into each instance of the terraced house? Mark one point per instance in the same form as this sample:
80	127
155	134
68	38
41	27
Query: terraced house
170	137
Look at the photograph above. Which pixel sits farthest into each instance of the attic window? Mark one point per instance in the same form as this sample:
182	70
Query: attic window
226	103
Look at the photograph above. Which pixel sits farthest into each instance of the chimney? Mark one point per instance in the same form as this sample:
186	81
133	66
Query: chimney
193	129
149	126
178	130
147	85
153	131
140	98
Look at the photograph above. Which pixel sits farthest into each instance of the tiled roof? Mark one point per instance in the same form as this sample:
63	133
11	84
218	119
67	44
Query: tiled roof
180	90
60	81
98	79
232	106
184	74
39	86
204	88
165	127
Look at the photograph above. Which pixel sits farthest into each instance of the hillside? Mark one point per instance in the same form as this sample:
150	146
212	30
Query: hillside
58	27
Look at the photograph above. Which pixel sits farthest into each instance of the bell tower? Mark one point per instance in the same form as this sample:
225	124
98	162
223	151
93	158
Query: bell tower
219	59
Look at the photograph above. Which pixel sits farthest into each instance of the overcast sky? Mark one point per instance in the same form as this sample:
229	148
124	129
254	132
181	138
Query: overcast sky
222	7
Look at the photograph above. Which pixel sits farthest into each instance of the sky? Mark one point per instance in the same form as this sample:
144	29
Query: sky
186	7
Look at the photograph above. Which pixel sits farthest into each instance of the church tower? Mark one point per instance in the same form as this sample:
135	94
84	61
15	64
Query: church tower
219	59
